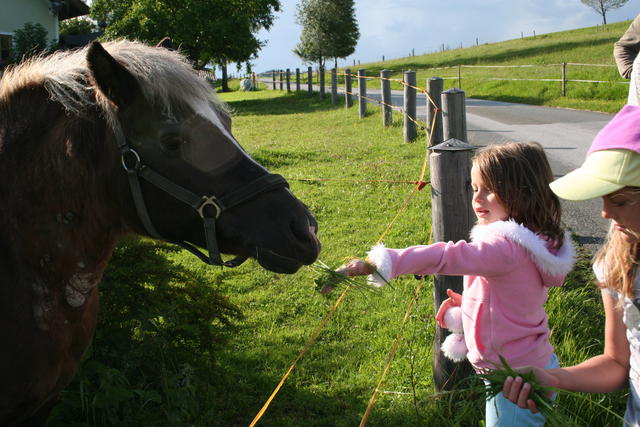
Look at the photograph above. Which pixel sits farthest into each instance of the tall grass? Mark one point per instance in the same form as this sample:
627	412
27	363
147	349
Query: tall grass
180	343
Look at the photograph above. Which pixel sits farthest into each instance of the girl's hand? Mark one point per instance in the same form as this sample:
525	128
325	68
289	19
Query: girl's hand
454	300
518	393
356	267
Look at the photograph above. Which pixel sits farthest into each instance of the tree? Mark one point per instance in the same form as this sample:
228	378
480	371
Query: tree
603	6
30	40
329	30
77	26
207	31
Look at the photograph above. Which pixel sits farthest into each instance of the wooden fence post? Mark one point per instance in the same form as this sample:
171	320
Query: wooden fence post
273	78
435	85
564	79
281	73
410	131
254	81
452	219
334	86
347	88
310	80
459	77
387	117
362	93
454	115
321	77
297	79
288	76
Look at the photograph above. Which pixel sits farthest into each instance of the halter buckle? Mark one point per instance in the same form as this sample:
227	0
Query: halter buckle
209	201
134	156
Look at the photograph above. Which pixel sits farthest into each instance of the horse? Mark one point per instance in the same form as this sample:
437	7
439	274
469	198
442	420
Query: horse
116	139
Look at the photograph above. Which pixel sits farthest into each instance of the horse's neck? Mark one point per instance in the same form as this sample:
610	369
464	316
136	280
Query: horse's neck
59	261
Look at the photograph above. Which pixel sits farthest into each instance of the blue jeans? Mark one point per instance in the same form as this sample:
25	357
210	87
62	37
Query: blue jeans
500	412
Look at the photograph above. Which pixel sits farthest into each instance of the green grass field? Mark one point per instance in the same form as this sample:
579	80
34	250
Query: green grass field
183	344
545	53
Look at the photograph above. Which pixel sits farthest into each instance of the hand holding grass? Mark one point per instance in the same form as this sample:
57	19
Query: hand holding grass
356	267
517	390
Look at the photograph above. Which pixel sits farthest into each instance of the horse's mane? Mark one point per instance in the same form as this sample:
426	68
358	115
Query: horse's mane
165	77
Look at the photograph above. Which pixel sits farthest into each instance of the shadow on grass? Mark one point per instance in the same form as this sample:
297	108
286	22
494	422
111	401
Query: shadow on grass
292	103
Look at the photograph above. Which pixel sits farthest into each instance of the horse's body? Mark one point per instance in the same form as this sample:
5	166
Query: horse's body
67	199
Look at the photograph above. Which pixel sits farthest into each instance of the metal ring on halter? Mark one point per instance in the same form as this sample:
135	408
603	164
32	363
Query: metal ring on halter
137	159
209	201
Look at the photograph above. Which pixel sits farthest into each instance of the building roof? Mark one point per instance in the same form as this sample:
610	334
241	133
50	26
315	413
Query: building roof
72	8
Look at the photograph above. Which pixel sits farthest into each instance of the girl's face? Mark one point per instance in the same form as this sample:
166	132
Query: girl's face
623	208
486	205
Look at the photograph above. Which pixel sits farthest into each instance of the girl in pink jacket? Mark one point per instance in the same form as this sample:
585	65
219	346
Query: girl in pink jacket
517	251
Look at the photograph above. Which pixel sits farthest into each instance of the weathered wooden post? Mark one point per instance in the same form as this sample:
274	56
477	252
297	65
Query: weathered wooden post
362	93
387	115
297	79
452	219
454	115
334	86
288	77
347	88
564	79
310	80
321	77
281	75
435	85
410	131
254	81
273	77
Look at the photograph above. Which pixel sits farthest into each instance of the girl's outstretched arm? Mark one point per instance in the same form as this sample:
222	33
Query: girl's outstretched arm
600	374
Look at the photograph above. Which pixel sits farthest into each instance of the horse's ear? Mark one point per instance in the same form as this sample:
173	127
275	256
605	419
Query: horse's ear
111	77
166	43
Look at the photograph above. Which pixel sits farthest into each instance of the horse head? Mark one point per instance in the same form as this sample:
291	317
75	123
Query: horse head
180	175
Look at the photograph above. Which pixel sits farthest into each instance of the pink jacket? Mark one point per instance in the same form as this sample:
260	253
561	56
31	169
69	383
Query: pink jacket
507	269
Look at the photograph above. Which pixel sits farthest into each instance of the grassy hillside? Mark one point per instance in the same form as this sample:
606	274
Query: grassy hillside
180	343
544	52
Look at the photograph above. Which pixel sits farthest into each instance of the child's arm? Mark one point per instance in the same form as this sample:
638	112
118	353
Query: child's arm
600	374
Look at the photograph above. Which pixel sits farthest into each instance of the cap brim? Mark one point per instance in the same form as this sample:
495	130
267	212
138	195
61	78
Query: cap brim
578	185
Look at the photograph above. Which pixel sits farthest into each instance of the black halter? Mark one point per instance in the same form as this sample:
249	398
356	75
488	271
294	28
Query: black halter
134	167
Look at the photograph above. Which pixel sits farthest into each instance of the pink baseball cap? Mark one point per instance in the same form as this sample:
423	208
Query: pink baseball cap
612	163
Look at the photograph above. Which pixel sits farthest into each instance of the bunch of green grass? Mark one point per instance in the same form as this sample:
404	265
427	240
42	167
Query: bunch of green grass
328	279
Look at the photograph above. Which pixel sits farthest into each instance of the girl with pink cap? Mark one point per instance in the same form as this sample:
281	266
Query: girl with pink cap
611	171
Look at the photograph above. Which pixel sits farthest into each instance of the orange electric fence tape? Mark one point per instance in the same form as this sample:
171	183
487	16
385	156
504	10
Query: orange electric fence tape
419	184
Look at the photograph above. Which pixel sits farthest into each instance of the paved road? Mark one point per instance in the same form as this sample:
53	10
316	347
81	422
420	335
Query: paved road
565	134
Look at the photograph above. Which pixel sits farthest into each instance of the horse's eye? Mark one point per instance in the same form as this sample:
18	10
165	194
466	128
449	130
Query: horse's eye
172	145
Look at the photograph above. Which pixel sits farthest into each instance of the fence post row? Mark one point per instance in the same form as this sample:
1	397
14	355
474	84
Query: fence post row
435	85
310	80
281	75
454	115
410	131
452	219
387	117
348	88
273	78
362	93
334	86
297	79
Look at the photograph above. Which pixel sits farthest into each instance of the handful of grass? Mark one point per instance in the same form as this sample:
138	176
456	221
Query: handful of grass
328	279
497	376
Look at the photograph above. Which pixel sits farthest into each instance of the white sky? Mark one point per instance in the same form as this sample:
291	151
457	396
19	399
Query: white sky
394	27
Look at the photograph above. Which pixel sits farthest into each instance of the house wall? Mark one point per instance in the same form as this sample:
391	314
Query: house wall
15	13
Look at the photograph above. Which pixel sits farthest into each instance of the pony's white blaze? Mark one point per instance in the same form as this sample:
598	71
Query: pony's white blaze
204	110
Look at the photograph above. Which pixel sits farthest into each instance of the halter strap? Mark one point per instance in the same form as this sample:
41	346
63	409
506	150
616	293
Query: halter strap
132	164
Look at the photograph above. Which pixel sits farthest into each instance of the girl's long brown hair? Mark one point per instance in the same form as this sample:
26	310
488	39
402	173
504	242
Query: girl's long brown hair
518	173
618	259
